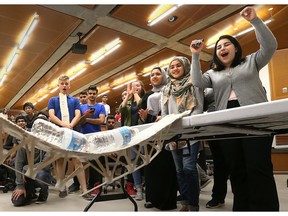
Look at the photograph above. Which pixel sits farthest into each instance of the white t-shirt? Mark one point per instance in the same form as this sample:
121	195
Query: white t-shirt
107	109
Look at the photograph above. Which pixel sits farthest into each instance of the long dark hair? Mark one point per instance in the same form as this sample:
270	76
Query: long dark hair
238	55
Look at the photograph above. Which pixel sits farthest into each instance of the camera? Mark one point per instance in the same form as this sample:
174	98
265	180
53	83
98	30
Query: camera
92	109
198	43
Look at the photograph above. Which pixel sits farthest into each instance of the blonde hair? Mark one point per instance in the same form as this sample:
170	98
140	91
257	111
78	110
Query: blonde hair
63	77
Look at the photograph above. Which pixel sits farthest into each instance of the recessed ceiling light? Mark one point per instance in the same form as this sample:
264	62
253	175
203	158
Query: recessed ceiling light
172	18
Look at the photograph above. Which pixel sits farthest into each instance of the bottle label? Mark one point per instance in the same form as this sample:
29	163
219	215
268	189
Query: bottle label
76	143
126	135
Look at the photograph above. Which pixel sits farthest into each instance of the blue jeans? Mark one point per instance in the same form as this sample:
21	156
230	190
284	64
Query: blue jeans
44	176
137	177
30	186
187	175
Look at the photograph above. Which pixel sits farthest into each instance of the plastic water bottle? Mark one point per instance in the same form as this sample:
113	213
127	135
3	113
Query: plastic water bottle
111	139
61	137
73	140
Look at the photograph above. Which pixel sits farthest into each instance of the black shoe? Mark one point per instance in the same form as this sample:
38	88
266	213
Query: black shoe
63	194
31	198
215	204
53	181
148	205
34	196
193	208
73	188
41	199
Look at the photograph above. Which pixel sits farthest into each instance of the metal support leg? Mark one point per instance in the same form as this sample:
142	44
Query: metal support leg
123	195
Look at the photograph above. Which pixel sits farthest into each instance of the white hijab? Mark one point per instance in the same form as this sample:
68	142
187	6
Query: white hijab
153	102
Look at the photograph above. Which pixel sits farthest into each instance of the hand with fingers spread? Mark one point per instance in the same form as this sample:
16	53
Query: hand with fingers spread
17	193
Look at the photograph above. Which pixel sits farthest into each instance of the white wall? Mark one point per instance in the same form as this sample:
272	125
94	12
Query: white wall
264	76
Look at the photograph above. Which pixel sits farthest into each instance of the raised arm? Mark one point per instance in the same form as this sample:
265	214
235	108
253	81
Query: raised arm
264	36
198	79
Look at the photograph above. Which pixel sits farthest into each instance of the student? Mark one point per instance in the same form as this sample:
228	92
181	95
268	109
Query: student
93	116
83	97
160	174
28	107
129	111
75	186
104	99
220	172
24	192
111	122
235	81
180	95
118	116
64	111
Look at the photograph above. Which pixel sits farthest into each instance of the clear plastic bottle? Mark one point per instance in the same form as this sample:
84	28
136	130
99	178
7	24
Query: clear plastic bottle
61	137
72	140
110	139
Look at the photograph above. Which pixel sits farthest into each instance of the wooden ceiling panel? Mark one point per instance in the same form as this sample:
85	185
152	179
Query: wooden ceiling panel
247	41
130	47
187	16
53	28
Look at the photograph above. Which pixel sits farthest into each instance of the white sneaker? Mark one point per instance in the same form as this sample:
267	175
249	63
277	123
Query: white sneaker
139	196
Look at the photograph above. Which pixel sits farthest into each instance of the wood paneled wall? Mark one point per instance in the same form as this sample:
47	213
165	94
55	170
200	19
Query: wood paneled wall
278	72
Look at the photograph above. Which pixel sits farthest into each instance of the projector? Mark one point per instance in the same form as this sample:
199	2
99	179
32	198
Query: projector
78	48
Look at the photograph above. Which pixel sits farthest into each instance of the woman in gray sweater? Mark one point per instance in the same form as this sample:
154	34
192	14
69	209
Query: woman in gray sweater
235	81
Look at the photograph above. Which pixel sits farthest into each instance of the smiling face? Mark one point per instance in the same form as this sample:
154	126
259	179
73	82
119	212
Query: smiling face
226	51
156	77
21	122
137	87
92	95
176	69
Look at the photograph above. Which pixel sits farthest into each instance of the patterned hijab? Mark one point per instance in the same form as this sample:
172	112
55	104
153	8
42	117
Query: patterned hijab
182	89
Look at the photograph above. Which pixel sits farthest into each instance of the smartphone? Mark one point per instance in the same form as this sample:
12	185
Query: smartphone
198	43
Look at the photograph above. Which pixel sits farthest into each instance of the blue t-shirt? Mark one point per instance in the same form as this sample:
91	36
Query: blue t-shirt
73	104
88	127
